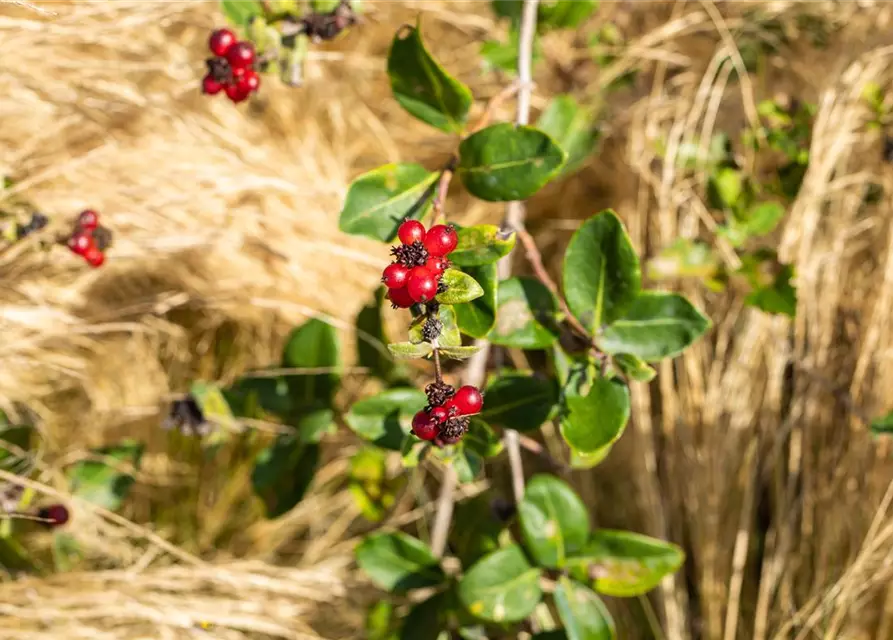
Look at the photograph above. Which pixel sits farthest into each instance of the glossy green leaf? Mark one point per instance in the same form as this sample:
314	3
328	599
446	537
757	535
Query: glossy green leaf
413	452
466	462
398	563
410	351
459	353
380	621
554	521
656	326
477	317
422	87
283	472
565	14
482	439
503	55
625	564
501	587
725	188
385	419
106	478
776	296
479	533
573	127
255	396
312	345
763	217
379	200
481	245
525	315
211	402
372	351
239	12
426	620
584	615
882	425
312	426
506	162
460	288
601	271
634	368
518	401
598	418
580	460
449	333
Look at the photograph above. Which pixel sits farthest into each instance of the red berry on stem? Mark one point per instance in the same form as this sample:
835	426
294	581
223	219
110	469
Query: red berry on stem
220	41
423	426
236	92
437	266
94	256
395	276
210	86
240	55
80	242
56	514
422	285
439	414
88	220
411	231
440	240
468	400
249	81
401	298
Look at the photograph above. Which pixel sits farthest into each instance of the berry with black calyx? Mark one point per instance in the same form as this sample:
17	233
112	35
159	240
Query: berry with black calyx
423	427
54	515
186	416
395	276
102	237
441	240
438	414
453	429
467	400
250	81
411	231
437	265
220	41
87	220
236	92
219	71
431	329
400	298
438	393
411	255
80	242
422	285
240	55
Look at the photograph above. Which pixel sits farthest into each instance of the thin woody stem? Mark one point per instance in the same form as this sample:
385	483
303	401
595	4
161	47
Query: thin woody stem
437	370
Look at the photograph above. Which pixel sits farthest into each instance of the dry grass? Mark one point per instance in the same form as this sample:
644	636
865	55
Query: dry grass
225	221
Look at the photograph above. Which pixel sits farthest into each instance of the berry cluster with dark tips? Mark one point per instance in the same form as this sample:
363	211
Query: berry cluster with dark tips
90	240
231	70
419	263
445	420
38	221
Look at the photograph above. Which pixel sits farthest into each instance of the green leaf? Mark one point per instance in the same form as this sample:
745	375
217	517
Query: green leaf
314	425
459	353
505	162
414	451
481	245
425	620
584	615
776	296
573	127
503	56
398	563
658	325
479	533
251	397
239	12
410	351
763	217
211	402
283	472
423	87
581	460
598	418
380	621
525	315
519	401
466	462
460	288
684	259
313	345
724	188
477	317
449	333
882	425
555	634
106	479
372	491
626	564
501	587
634	368
565	14
601	271
372	351
554	521
482	439
379	200
385	419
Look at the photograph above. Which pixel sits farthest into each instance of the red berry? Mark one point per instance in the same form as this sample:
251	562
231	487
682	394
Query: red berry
401	298
395	276
88	220
210	86
240	55
423	426
236	92
80	243
411	231
437	266
440	240
56	514
220	41
249	81
468	400
94	256
422	284
439	414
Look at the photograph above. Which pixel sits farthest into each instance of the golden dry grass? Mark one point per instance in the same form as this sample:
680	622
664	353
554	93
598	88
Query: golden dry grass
226	231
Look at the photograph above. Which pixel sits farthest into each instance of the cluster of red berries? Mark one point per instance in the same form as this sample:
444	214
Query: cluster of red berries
89	239
419	263
231	70
445	420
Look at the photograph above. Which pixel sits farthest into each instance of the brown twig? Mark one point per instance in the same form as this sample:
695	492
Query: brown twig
443	186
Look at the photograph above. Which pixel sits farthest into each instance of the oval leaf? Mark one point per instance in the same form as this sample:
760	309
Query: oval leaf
573	127
625	564
482	439
239	12
386	419
501	587
598	418
459	353
312	345
584	615
481	245
423	87
409	351
372	352
378	201
581	460
634	368
505	162
399	563
525	315
283	472
477	317
518	401
554	521
656	326
601	271
460	287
